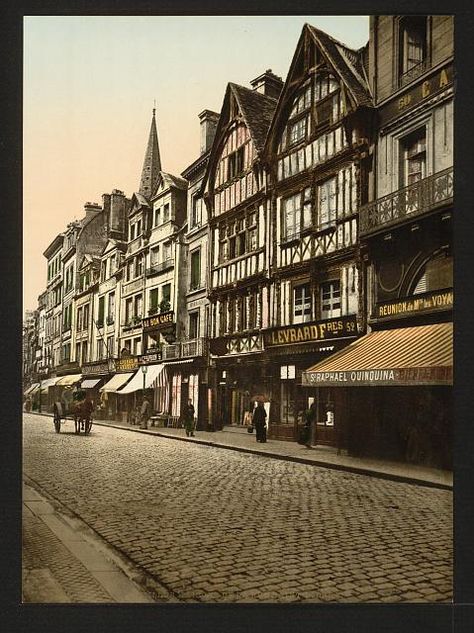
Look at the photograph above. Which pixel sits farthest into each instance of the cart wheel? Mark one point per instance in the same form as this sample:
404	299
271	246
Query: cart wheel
57	422
87	426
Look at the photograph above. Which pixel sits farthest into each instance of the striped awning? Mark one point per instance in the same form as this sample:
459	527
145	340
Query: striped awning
138	382
117	381
32	388
66	381
421	355
90	383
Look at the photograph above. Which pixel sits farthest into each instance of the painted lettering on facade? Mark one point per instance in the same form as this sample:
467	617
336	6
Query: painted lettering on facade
158	321
441	300
387	377
317	331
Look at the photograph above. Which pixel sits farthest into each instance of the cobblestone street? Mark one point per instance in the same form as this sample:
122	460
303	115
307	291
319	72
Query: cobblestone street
213	525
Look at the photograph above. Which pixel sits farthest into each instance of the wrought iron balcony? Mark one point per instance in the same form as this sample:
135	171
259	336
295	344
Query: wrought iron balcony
425	195
171	351
194	347
160	267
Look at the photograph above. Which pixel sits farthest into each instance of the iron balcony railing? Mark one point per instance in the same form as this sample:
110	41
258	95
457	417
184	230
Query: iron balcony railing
425	195
185	349
160	267
413	72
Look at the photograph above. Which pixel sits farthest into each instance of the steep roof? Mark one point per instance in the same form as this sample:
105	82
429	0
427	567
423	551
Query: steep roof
257	110
347	62
172	181
152	162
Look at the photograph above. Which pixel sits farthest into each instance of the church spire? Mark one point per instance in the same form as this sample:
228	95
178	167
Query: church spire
152	162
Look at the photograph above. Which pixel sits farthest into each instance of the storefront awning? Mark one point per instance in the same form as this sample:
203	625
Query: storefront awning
90	383
421	355
49	382
136	383
32	388
116	382
65	381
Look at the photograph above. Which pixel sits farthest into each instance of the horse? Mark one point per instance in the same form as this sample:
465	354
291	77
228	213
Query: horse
82	411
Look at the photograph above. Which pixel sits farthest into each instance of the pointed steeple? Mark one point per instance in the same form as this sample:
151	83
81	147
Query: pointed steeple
152	163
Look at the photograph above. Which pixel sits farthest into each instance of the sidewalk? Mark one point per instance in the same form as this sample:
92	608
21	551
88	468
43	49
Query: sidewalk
63	564
238	439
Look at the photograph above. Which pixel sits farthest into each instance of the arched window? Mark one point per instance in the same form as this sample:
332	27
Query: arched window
437	274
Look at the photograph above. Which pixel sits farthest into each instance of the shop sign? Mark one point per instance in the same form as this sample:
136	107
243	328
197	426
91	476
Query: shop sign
423	90
150	357
98	369
432	301
158	321
380	377
310	332
126	364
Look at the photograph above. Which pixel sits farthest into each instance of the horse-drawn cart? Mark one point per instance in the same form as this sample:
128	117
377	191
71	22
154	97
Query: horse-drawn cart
82	416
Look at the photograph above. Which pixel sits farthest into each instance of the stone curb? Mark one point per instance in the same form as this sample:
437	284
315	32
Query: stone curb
355	470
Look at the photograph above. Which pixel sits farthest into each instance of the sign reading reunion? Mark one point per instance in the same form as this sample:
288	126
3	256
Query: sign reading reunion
439	300
316	331
364	377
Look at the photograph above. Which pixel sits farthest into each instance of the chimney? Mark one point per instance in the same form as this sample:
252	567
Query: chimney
91	209
268	84
117	211
209	122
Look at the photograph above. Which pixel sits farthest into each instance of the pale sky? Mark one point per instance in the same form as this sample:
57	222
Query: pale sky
89	87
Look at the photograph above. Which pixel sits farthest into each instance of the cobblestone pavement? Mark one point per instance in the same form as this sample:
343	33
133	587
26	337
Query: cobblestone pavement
214	525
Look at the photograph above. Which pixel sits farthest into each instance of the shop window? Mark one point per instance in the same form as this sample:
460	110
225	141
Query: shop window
413	157
287	402
296	212
193	325
302	301
413	47
330	293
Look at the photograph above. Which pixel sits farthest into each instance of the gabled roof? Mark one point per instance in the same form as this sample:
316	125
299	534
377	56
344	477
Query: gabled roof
257	111
138	200
168	181
347	62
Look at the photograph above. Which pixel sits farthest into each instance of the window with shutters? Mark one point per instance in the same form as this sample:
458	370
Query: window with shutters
195	281
153	301
100	316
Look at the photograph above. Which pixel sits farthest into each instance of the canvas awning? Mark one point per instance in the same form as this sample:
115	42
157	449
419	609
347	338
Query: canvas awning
90	383
421	355
116	382
32	388
49	382
136	383
65	381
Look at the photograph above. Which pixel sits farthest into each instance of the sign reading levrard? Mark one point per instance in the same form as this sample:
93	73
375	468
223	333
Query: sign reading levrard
315	331
437	300
158	321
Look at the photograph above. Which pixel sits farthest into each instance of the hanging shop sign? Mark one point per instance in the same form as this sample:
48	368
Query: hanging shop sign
98	368
381	377
151	356
126	364
315	331
158	321
422	91
436	301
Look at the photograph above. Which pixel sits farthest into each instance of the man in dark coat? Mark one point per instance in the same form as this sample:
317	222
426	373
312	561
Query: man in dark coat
259	422
189	419
145	412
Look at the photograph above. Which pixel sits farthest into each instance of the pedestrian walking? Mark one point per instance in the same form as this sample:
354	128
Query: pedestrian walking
189	419
145	412
259	422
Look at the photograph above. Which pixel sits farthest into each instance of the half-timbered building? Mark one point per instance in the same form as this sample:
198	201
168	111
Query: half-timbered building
235	192
317	152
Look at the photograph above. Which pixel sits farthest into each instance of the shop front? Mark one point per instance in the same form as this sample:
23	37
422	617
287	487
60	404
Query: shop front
290	350
146	381
109	396
390	394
